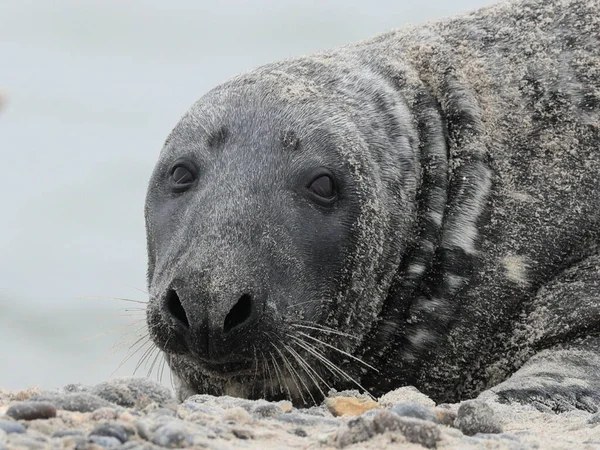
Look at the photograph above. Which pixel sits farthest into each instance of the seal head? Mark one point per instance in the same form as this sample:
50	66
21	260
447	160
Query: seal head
274	227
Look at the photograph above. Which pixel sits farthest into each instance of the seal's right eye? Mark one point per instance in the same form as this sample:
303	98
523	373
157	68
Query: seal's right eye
182	177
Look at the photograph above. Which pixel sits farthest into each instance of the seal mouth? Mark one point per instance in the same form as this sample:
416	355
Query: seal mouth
229	369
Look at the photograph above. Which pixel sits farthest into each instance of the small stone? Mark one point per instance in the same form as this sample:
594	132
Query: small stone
300	432
137	445
126	416
104	441
26	394
42	426
30	410
111	429
307	419
236	415
104	414
76	402
414	430
358	430
412	409
64	433
405	394
340	406
172	435
285	406
23	441
268	410
10	427
130	392
475	416
242	433
444	416
161	412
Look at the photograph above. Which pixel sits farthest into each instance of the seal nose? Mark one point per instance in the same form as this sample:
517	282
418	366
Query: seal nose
239	314
176	309
208	335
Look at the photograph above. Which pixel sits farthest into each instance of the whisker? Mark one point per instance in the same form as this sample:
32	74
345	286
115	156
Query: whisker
280	376
300	362
328	364
145	355
301	379
137	289
338	350
141	344
99	297
291	371
154	362
324	329
112	330
308	369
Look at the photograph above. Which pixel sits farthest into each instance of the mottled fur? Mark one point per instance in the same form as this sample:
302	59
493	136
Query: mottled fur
465	242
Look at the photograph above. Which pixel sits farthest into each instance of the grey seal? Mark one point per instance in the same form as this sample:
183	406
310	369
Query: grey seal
421	208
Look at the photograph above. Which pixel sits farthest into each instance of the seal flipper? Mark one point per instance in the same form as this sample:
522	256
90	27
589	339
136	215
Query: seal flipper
560	379
559	338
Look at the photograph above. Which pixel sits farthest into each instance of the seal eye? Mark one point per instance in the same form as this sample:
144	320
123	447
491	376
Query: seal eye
182	178
322	189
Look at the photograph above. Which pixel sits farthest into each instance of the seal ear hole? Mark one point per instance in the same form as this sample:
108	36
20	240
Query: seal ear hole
239	314
175	307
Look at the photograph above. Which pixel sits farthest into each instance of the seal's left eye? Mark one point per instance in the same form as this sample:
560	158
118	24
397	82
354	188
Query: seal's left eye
322	189
182	178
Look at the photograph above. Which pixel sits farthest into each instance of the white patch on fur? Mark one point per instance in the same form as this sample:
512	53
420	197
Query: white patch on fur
517	269
416	269
461	230
420	338
454	281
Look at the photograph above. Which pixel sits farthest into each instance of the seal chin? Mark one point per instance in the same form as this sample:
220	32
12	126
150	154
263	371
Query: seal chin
246	379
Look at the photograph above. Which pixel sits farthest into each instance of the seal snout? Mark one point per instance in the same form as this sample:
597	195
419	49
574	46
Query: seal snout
223	334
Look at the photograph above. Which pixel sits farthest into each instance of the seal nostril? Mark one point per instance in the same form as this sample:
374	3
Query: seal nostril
175	308
240	312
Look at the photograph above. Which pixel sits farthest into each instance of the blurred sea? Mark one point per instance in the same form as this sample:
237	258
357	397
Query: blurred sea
93	87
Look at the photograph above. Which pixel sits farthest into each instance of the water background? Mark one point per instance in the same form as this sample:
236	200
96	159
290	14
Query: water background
91	90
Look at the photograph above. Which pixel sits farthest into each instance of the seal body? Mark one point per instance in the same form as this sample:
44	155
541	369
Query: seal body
419	208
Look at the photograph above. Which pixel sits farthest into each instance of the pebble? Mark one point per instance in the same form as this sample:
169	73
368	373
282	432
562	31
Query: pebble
268	410
64	433
23	441
306	419
444	416
414	430
236	415
77	401
134	392
10	427
112	430
105	414
349	406
29	410
412	409
474	416
172	436
104	441
242	433
405	394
